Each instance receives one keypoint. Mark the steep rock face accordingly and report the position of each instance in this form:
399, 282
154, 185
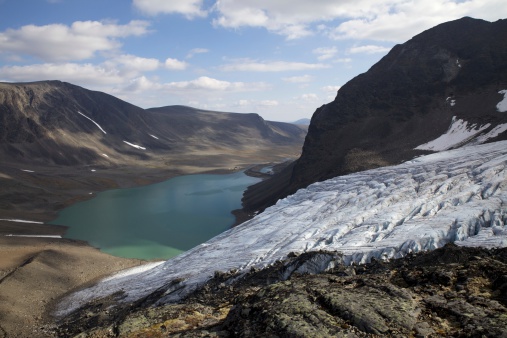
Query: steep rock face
452, 72
57, 123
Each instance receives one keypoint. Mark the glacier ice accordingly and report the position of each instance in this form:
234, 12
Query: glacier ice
455, 196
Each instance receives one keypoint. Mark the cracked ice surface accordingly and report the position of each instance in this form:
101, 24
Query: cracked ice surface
453, 196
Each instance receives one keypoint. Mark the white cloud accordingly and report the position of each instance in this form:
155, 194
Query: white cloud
325, 53
269, 103
298, 79
57, 42
359, 19
289, 18
196, 51
189, 8
368, 49
174, 64
207, 83
331, 89
254, 103
342, 60
140, 84
83, 74
273, 66
309, 97
401, 20
133, 63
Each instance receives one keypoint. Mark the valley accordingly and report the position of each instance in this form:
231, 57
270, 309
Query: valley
387, 217
63, 144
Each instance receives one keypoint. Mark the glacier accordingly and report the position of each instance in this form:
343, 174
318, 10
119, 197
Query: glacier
455, 196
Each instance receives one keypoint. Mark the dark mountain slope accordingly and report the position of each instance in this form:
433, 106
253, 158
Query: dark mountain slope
53, 122
407, 99
210, 128
41, 123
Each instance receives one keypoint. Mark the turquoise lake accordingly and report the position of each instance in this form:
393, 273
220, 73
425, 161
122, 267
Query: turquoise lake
159, 220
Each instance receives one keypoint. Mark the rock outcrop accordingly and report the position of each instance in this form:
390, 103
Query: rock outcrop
452, 291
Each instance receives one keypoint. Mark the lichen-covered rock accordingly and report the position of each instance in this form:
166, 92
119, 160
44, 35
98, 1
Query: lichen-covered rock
449, 292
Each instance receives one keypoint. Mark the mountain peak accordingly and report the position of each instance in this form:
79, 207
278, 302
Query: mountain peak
455, 70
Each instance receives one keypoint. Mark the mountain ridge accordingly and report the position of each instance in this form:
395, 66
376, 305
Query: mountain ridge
60, 123
455, 70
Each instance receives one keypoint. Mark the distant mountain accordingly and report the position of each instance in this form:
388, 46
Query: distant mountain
444, 88
304, 122
53, 122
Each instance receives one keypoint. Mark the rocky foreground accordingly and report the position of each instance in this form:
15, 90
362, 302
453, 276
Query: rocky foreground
452, 291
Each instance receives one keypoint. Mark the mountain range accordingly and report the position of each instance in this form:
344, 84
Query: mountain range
449, 77
53, 122
60, 143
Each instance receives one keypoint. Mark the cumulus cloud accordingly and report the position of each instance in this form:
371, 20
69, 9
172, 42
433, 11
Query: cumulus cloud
415, 16
325, 53
269, 103
358, 19
140, 84
132, 63
58, 42
309, 97
174, 64
195, 51
368, 49
83, 74
207, 83
342, 60
273, 66
189, 8
331, 89
254, 103
298, 79
289, 18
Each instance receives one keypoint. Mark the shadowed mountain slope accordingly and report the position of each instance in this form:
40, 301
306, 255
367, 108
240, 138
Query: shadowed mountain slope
448, 80
53, 122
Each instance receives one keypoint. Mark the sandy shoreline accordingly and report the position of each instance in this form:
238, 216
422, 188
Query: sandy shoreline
37, 271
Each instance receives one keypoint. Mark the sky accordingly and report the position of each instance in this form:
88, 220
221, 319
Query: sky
281, 59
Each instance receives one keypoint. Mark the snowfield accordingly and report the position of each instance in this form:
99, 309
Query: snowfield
461, 134
135, 145
502, 105
453, 196
101, 129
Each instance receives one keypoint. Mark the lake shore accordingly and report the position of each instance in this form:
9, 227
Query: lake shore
37, 271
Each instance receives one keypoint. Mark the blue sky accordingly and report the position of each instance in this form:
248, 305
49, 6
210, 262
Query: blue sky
281, 59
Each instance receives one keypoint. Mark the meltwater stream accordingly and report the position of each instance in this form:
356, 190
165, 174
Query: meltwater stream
159, 220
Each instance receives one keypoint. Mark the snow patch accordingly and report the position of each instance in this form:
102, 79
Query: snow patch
502, 105
105, 155
458, 133
132, 271
153, 136
93, 170
27, 171
452, 196
135, 145
491, 134
451, 101
93, 122
20, 221
35, 236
